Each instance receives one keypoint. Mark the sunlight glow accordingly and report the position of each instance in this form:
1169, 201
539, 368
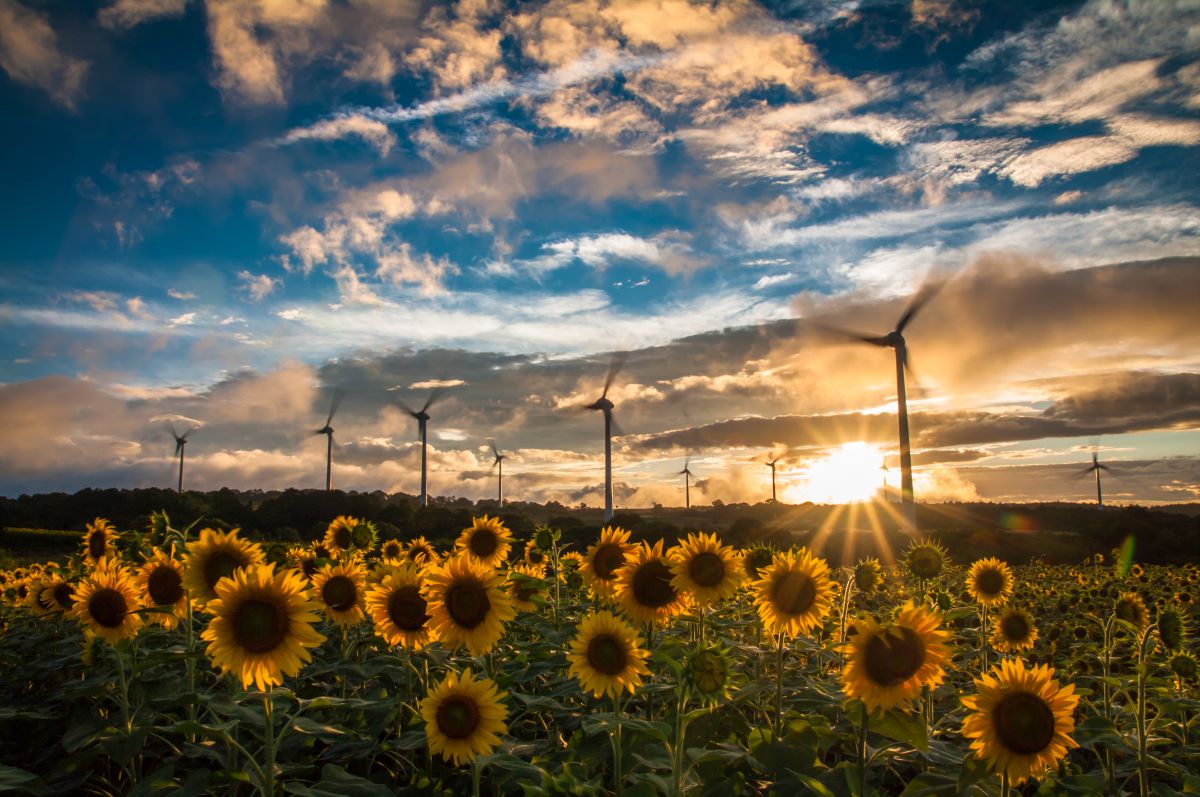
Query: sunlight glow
849, 474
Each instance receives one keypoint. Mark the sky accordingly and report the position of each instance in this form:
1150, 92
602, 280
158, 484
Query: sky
215, 213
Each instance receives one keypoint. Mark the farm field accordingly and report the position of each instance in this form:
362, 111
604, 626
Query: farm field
172, 661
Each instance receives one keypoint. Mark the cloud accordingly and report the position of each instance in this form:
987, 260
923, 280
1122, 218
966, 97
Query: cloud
30, 54
182, 296
130, 13
372, 131
257, 286
668, 251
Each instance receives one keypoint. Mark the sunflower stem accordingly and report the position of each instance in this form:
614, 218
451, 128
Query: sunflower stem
268, 768
475, 776
1106, 664
616, 745
1005, 786
1143, 773
983, 629
124, 684
677, 750
779, 690
557, 581
862, 752
190, 661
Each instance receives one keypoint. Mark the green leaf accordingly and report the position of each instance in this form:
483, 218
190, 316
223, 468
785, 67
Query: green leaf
337, 782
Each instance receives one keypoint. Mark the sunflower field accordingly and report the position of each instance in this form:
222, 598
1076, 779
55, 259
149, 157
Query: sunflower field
196, 661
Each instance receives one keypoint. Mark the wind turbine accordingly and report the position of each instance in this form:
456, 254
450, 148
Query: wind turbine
422, 416
770, 463
1097, 467
180, 442
686, 473
327, 430
604, 405
884, 469
895, 340
498, 465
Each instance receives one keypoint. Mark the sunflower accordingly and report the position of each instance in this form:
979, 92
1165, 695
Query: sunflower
1172, 628
708, 674
1185, 667
321, 551
888, 665
1132, 609
868, 574
33, 596
1014, 631
925, 559
644, 590
524, 584
606, 655
391, 551
214, 556
603, 560
160, 580
487, 541
339, 590
467, 603
794, 593
755, 559
304, 560
399, 609
57, 597
464, 717
106, 602
421, 552
1021, 719
339, 535
705, 569
534, 555
990, 582
98, 541
262, 626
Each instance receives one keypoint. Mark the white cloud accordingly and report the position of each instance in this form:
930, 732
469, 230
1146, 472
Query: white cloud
372, 131
771, 280
29, 53
187, 319
668, 251
1032, 167
182, 296
258, 286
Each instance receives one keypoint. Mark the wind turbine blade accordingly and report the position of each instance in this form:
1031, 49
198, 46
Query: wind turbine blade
178, 447
495, 453
406, 408
848, 334
334, 403
920, 300
174, 431
434, 397
614, 368
914, 381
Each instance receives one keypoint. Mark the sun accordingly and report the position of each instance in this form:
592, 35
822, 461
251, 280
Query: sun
849, 474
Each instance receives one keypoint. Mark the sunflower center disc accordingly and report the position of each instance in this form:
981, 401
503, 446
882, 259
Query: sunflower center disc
339, 593
535, 557
259, 626
652, 585
607, 560
708, 672
165, 586
219, 565
467, 604
925, 564
406, 608
62, 594
391, 550
309, 567
108, 607
458, 717
892, 659
96, 544
484, 543
989, 582
321, 552
342, 538
794, 593
707, 569
1014, 628
755, 561
606, 654
1024, 723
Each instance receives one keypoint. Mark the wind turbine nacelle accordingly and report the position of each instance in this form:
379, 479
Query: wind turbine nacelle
601, 404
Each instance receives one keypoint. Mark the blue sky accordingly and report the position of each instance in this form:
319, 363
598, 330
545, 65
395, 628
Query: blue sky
215, 212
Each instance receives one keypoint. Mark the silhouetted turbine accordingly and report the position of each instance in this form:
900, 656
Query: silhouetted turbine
895, 340
606, 406
180, 442
1096, 467
687, 486
770, 463
327, 430
422, 416
498, 465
